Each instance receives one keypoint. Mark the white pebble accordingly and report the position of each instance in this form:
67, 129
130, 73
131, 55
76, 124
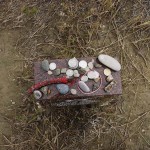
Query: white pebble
73, 91
83, 64
84, 78
69, 73
52, 66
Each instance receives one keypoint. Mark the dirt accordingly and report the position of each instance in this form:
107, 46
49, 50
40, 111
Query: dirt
8, 87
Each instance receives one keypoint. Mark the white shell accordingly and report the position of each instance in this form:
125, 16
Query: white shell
69, 73
83, 87
52, 66
109, 62
83, 64
84, 78
73, 63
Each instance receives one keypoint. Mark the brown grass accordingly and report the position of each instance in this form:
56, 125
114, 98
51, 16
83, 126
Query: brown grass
81, 28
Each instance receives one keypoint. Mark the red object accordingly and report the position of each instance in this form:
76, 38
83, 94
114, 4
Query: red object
48, 82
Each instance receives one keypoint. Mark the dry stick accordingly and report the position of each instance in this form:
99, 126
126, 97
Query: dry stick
137, 69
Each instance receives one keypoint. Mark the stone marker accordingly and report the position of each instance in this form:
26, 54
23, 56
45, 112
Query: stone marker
109, 62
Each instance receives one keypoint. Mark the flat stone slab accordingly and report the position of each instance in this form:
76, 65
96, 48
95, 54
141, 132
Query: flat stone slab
40, 75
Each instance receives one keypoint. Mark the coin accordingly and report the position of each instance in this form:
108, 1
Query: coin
107, 72
83, 64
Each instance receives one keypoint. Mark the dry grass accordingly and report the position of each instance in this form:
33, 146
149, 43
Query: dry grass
81, 28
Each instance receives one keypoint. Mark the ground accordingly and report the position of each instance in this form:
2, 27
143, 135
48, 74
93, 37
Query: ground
31, 31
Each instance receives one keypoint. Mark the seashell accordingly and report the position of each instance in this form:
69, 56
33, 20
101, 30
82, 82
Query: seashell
83, 64
45, 65
83, 87
73, 91
84, 78
107, 72
73, 63
37, 94
52, 66
109, 78
69, 73
110, 62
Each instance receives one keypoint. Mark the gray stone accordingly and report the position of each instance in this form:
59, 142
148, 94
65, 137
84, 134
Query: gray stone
37, 94
45, 65
62, 88
57, 72
83, 87
44, 90
63, 70
109, 62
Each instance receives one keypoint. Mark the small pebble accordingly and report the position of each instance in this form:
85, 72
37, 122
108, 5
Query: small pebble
84, 78
90, 65
73, 63
52, 66
81, 71
44, 90
57, 72
107, 72
76, 73
96, 80
45, 65
73, 91
63, 70
110, 78
50, 72
87, 69
37, 94
69, 73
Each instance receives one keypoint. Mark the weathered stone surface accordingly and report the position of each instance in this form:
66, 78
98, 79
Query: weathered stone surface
109, 62
62, 88
83, 87
45, 65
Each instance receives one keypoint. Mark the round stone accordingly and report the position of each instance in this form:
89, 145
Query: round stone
45, 65
90, 65
110, 78
73, 63
62, 88
69, 73
83, 64
107, 72
37, 94
76, 73
110, 62
52, 66
96, 74
84, 78
73, 91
